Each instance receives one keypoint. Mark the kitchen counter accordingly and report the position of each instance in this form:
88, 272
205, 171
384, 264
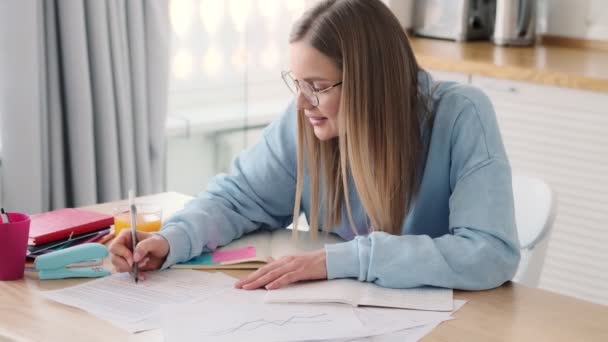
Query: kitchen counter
585, 69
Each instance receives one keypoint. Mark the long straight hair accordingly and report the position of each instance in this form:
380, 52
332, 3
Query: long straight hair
379, 144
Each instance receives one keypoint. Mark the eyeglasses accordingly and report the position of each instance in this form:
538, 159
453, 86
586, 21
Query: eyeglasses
307, 89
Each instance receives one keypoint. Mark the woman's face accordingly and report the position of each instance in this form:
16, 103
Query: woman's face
308, 64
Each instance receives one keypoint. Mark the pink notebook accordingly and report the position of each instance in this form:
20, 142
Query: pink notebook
59, 224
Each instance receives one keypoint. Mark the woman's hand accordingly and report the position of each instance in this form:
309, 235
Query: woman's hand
150, 252
287, 270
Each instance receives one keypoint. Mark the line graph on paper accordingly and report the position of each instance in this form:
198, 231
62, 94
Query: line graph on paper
227, 319
264, 323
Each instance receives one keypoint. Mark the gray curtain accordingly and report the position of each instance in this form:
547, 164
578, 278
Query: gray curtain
83, 98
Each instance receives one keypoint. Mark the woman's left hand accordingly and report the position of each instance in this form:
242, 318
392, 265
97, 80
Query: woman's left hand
287, 270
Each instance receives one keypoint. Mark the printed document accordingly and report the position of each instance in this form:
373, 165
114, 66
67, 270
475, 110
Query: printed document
119, 300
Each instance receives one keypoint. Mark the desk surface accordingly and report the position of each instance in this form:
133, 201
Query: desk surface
509, 313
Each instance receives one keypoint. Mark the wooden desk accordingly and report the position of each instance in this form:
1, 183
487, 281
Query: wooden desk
509, 313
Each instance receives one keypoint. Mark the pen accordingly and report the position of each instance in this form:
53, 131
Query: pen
133, 211
5, 217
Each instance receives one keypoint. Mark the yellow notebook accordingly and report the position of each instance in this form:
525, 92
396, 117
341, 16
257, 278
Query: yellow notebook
252, 251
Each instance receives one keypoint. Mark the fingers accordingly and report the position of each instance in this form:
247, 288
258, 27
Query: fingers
143, 263
287, 270
121, 254
122, 258
123, 238
260, 272
153, 264
154, 245
120, 264
142, 235
269, 277
141, 276
149, 253
286, 279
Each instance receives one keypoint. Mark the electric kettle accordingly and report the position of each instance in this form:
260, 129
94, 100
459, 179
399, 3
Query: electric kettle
515, 22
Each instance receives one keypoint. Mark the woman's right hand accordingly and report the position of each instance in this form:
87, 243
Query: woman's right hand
150, 252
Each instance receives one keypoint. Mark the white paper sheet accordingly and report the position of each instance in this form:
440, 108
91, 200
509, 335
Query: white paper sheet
431, 320
360, 293
214, 321
407, 335
190, 322
135, 307
371, 314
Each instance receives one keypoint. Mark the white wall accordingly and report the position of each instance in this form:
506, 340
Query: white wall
192, 161
584, 19
403, 10
189, 163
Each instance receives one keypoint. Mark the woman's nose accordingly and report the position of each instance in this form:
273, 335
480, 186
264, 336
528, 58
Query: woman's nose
302, 102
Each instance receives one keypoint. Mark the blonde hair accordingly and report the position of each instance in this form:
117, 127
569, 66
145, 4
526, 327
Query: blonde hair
379, 142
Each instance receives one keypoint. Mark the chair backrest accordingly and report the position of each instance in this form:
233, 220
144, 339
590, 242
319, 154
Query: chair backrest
535, 209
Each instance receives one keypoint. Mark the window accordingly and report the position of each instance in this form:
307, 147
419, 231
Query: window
227, 57
225, 81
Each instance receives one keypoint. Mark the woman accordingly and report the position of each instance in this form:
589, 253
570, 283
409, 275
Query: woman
411, 172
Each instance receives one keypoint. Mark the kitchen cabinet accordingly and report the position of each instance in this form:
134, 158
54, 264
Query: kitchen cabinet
561, 136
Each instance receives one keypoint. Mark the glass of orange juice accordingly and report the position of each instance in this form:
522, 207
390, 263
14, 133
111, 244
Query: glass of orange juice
149, 218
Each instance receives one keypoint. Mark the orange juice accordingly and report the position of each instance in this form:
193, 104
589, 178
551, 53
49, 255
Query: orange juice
147, 220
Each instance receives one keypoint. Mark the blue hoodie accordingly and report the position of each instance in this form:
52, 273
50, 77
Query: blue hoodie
459, 233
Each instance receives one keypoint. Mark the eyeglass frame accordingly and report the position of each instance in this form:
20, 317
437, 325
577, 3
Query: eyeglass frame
285, 74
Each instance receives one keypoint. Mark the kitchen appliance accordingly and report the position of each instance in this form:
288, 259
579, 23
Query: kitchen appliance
515, 22
457, 20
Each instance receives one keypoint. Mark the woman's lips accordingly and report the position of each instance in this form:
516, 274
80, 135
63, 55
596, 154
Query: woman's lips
317, 120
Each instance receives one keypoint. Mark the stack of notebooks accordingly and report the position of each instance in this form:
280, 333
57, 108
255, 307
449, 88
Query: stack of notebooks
59, 229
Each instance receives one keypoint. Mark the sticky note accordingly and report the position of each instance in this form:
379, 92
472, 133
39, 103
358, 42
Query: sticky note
234, 254
203, 259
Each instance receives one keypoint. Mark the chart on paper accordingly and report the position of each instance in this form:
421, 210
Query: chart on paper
252, 323
262, 323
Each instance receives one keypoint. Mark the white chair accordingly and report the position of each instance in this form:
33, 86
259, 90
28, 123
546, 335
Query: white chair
535, 210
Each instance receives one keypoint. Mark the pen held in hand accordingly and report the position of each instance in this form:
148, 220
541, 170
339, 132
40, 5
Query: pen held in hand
133, 211
134, 238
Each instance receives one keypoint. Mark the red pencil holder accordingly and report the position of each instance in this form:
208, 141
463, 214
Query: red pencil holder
13, 246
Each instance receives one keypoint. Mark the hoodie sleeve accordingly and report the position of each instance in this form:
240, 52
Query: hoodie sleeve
258, 193
481, 250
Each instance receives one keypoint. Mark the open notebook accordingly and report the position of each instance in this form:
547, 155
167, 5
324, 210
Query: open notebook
251, 251
357, 293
